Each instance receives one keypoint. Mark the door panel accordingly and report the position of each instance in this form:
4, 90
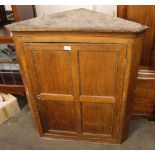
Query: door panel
60, 115
98, 72
54, 71
51, 76
101, 70
97, 118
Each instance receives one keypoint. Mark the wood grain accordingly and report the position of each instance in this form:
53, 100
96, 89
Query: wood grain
97, 99
97, 118
145, 79
85, 92
57, 97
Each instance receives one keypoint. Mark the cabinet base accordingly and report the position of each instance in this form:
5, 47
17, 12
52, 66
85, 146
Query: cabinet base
81, 138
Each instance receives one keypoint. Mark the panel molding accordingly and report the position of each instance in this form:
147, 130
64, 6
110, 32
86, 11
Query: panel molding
97, 99
56, 97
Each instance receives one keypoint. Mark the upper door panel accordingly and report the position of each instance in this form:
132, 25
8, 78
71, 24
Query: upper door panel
52, 68
98, 72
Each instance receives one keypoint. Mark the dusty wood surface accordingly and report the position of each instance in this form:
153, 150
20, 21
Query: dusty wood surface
78, 20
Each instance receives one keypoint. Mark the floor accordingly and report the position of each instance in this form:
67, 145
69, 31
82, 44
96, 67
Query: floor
19, 133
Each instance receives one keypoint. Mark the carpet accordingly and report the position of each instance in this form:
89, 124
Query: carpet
19, 133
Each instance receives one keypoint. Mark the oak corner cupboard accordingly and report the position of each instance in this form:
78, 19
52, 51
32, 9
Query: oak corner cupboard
79, 68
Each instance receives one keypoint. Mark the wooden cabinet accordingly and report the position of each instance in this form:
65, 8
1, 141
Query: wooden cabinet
78, 77
144, 98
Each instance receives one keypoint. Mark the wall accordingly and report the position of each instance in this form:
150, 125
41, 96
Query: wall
8, 7
50, 9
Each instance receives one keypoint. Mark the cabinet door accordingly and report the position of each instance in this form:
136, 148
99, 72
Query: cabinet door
78, 87
101, 74
50, 71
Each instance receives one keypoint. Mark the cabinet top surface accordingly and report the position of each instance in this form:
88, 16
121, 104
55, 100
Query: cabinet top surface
78, 20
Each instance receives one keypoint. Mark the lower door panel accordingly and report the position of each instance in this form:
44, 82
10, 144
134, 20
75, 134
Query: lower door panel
97, 118
60, 115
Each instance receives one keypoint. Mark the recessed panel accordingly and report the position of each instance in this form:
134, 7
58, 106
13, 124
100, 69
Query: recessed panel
97, 71
53, 71
97, 118
59, 115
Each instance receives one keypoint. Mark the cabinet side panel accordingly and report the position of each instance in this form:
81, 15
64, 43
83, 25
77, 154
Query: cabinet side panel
27, 83
134, 59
